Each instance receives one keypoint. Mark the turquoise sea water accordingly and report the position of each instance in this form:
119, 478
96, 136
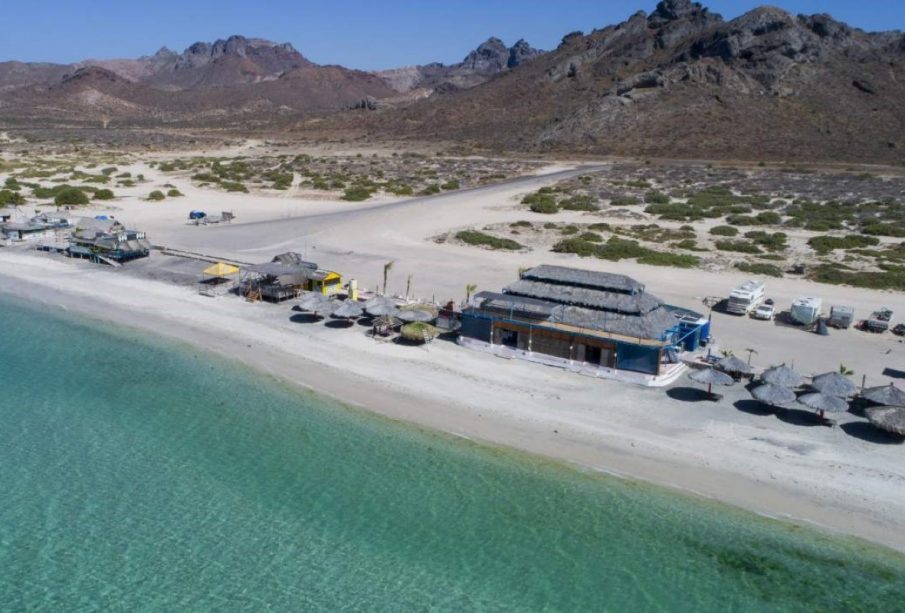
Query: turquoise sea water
140, 475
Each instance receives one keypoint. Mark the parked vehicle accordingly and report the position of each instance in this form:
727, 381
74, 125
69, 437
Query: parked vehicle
764, 311
806, 310
879, 321
899, 330
746, 297
841, 317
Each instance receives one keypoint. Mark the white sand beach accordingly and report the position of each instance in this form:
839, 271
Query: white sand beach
761, 462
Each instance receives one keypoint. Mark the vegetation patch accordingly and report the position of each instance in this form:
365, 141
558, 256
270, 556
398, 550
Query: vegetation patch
480, 239
758, 268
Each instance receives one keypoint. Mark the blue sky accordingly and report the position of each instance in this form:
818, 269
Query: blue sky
366, 34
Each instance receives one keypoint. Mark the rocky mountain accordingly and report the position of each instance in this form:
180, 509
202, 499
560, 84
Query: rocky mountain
682, 82
234, 80
234, 61
490, 58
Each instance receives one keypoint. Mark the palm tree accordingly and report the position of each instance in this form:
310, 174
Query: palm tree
386, 271
469, 290
750, 353
408, 286
845, 370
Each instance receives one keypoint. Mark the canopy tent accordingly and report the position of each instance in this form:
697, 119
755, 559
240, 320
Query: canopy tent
220, 269
834, 384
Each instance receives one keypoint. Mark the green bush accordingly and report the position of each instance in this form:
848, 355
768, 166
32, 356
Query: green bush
767, 270
826, 244
569, 229
430, 190
70, 196
831, 273
579, 203
11, 197
546, 207
577, 246
473, 237
676, 260
737, 246
450, 185
174, 193
884, 229
103, 194
625, 201
655, 197
156, 196
724, 231
356, 193
541, 202
234, 186
591, 237
771, 242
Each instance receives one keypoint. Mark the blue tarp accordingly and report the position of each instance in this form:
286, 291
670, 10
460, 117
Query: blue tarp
197, 215
101, 217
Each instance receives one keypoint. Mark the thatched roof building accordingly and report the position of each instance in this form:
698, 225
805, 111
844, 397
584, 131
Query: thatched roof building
595, 317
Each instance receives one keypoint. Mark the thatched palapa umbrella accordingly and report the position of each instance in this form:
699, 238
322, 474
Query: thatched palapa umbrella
834, 384
823, 403
711, 377
886, 395
317, 303
734, 365
380, 306
349, 310
388, 321
413, 315
891, 419
420, 332
774, 395
311, 299
782, 376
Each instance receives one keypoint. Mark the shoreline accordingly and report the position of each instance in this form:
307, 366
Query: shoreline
593, 445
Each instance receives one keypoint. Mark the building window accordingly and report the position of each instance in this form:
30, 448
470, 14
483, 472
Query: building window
509, 338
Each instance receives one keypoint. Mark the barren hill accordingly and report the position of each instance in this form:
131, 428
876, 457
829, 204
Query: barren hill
682, 82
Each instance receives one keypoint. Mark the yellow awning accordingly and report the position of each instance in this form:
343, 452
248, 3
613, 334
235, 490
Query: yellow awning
221, 269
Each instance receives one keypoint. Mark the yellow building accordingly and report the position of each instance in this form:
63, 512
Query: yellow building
326, 282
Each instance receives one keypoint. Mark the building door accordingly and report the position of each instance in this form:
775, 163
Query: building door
509, 338
592, 355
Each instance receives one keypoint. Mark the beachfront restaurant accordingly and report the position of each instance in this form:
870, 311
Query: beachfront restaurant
107, 240
596, 323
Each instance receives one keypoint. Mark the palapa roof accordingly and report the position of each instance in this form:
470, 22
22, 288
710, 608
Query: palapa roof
598, 301
89, 227
823, 402
583, 278
731, 363
834, 384
294, 259
632, 304
710, 376
888, 395
891, 419
782, 375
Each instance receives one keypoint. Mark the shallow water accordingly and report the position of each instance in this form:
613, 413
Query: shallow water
140, 474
